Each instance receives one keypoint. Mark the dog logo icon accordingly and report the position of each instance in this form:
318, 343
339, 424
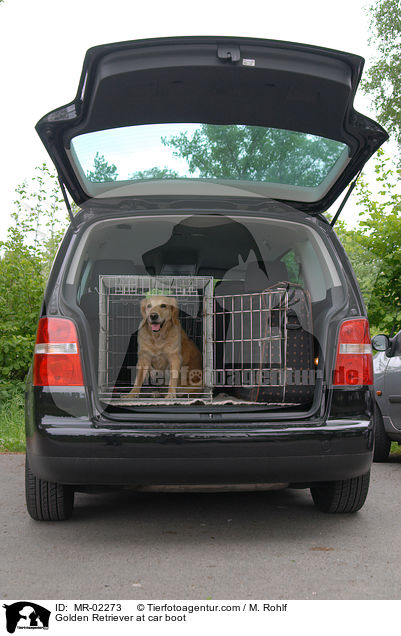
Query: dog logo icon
26, 615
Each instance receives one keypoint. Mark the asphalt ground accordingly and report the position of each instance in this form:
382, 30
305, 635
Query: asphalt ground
272, 545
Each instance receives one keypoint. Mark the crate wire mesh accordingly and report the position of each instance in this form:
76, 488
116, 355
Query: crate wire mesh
119, 320
250, 339
242, 337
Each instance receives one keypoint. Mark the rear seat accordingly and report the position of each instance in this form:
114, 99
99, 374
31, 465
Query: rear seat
257, 277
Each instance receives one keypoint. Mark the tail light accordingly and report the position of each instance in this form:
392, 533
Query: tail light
57, 361
354, 362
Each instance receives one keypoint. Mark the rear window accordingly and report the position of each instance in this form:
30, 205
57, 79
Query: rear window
293, 267
219, 153
253, 252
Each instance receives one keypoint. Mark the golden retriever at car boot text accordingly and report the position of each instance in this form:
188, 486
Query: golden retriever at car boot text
163, 346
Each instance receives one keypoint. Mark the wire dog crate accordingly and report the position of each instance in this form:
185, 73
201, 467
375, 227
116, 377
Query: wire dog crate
242, 337
119, 321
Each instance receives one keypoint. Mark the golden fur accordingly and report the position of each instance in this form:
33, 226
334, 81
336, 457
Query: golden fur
163, 345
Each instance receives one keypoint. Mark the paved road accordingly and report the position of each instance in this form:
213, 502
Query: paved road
271, 545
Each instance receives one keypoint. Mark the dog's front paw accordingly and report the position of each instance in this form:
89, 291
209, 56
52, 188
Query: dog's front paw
170, 395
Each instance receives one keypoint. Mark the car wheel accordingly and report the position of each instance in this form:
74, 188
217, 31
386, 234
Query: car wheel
382, 441
45, 500
346, 495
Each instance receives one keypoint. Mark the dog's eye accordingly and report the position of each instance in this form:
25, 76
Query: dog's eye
163, 305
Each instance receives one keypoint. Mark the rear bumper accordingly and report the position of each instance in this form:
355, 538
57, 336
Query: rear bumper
84, 454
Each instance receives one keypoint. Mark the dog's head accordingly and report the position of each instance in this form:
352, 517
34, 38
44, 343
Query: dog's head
159, 311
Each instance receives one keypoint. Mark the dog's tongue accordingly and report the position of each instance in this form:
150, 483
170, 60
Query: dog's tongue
155, 327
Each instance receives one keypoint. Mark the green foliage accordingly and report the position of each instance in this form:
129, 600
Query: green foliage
381, 240
155, 173
294, 273
12, 429
25, 260
366, 271
383, 77
255, 153
102, 170
395, 449
374, 246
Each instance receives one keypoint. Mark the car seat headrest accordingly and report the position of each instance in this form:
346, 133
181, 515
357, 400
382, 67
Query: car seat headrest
259, 276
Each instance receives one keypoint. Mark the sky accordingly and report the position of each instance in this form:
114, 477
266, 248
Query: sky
43, 43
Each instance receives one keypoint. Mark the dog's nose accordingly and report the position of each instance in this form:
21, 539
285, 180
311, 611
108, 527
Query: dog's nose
154, 316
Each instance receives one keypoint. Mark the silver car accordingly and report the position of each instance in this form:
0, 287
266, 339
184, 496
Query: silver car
387, 378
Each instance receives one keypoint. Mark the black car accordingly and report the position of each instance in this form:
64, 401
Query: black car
202, 167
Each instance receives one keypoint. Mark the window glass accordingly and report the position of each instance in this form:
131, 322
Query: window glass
206, 151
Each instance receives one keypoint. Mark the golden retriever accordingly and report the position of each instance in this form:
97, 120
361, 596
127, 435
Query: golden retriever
163, 346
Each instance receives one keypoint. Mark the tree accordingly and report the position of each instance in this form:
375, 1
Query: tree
25, 259
374, 246
383, 77
255, 153
102, 170
366, 269
154, 173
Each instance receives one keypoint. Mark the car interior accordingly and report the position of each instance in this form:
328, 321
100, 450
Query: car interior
243, 256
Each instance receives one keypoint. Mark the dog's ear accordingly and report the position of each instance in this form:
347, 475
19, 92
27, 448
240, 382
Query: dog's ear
143, 306
174, 311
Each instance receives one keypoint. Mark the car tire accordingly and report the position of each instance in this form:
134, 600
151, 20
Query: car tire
45, 500
382, 441
341, 496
